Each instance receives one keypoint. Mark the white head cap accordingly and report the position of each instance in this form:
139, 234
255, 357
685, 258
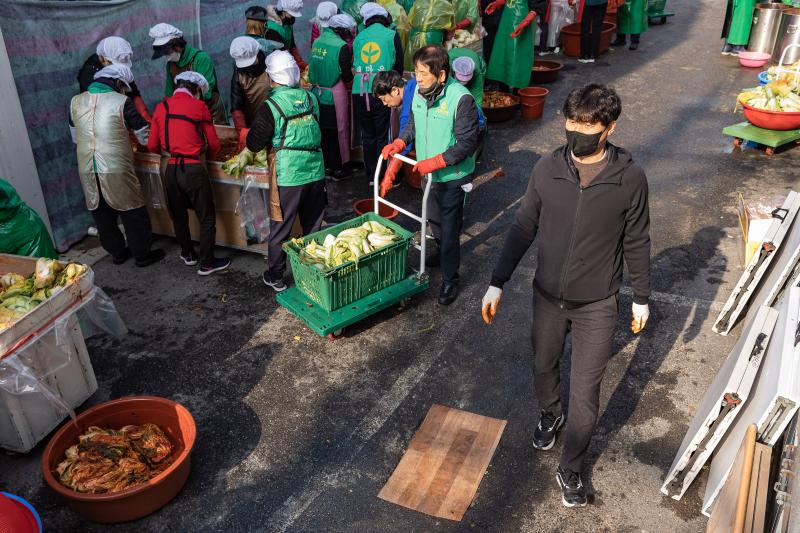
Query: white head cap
162, 33
283, 69
463, 68
342, 20
193, 77
293, 7
116, 72
245, 51
325, 10
117, 50
371, 9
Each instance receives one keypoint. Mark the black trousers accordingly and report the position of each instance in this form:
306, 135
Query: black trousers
308, 201
137, 229
592, 326
374, 128
446, 215
591, 26
189, 187
621, 38
330, 137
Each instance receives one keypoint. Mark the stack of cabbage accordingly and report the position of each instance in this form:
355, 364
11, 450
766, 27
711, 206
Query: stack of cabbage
790, 73
781, 95
19, 294
348, 245
235, 165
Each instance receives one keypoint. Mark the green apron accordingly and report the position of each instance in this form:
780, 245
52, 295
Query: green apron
434, 130
632, 17
475, 85
741, 20
418, 39
323, 67
512, 59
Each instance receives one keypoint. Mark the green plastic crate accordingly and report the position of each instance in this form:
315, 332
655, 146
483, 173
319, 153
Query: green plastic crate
334, 288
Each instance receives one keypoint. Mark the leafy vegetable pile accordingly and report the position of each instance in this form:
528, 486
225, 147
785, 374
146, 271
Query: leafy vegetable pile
349, 245
19, 294
105, 460
787, 72
463, 38
780, 95
235, 165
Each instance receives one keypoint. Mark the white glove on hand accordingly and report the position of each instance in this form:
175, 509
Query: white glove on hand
490, 302
640, 315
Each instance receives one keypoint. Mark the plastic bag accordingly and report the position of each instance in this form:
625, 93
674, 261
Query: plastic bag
22, 232
399, 18
432, 15
153, 188
253, 209
100, 316
561, 14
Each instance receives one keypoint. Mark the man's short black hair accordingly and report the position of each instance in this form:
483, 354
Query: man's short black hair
434, 57
593, 103
385, 81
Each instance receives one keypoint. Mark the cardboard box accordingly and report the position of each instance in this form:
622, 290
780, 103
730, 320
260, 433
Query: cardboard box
754, 221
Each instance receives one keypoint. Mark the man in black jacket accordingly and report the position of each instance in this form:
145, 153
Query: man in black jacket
588, 203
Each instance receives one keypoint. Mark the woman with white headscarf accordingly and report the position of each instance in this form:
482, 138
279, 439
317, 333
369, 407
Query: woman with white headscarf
325, 10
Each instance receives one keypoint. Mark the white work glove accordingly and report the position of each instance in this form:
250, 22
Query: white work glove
640, 315
490, 302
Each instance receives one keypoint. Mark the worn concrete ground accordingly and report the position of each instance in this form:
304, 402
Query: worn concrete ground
297, 433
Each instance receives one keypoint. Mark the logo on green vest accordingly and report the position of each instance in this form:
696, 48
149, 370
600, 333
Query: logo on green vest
370, 53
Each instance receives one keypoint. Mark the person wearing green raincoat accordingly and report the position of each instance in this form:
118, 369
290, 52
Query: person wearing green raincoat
512, 53
22, 231
475, 84
632, 20
738, 22
429, 20
466, 14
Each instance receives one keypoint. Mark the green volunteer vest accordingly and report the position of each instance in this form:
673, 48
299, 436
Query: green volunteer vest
285, 32
323, 67
475, 86
298, 159
435, 130
373, 52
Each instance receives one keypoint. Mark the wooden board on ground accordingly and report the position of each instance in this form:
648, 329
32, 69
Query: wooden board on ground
445, 462
755, 518
733, 497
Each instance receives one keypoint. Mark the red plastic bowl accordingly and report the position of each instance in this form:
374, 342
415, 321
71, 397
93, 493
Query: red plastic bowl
367, 205
139, 501
772, 120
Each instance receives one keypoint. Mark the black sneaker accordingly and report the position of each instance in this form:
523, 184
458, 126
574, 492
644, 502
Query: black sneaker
275, 284
341, 175
573, 493
219, 263
123, 256
189, 259
448, 293
544, 436
153, 256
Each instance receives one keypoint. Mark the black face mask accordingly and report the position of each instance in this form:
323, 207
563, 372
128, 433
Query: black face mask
431, 93
583, 144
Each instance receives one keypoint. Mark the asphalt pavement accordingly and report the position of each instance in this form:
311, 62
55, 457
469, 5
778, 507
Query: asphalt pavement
299, 433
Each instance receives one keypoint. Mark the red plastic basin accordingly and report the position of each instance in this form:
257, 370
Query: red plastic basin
367, 205
141, 500
772, 120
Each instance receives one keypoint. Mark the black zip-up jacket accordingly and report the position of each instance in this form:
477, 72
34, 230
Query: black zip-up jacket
86, 75
584, 233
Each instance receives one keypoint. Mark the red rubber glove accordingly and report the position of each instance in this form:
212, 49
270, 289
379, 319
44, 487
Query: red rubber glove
141, 107
390, 150
494, 6
432, 164
243, 138
239, 121
464, 24
524, 24
388, 178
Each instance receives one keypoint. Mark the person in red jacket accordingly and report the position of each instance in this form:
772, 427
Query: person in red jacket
182, 129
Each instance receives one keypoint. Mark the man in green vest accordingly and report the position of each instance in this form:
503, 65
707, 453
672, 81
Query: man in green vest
287, 124
280, 27
477, 72
632, 20
377, 48
168, 42
329, 70
512, 53
444, 127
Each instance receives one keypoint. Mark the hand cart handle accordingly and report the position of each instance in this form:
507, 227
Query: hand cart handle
781, 67
422, 219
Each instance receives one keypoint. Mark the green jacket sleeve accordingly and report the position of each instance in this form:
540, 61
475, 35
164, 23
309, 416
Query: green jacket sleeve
203, 65
169, 87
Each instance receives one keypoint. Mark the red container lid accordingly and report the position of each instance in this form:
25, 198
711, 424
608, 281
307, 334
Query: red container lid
17, 516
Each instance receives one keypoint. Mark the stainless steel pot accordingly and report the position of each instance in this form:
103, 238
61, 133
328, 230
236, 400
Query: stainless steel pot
766, 24
789, 34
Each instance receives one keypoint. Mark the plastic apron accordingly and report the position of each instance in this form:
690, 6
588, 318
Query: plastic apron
741, 22
561, 14
512, 59
632, 17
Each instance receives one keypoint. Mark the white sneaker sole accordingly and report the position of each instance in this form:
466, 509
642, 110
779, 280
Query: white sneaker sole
209, 272
189, 263
273, 287
564, 500
552, 442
